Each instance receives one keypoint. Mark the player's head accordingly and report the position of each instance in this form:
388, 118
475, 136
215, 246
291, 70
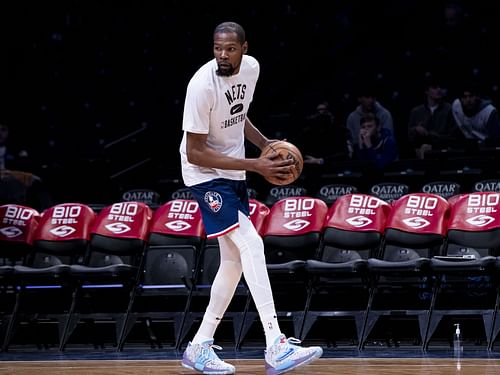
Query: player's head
229, 47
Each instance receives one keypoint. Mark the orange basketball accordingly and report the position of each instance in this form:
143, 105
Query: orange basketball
286, 150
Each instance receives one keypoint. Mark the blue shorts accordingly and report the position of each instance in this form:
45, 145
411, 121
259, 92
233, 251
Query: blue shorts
220, 200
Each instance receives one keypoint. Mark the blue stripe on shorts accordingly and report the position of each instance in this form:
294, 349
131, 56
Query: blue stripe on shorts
220, 200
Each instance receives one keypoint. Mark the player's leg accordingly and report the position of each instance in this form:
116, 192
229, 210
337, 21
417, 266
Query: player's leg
199, 354
282, 354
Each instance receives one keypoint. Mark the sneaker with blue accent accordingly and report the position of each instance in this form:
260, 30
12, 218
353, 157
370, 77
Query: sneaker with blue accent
285, 355
202, 358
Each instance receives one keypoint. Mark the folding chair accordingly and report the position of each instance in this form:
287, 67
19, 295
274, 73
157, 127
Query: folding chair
466, 283
17, 228
44, 291
107, 279
338, 285
400, 277
170, 270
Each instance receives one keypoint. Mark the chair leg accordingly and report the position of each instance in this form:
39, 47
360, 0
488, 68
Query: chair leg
12, 322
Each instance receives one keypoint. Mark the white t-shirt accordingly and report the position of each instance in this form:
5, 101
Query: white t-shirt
218, 106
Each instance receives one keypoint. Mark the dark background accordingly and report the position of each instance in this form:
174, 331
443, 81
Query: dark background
79, 75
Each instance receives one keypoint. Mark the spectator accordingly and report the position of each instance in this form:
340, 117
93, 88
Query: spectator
476, 117
368, 104
431, 124
375, 144
322, 139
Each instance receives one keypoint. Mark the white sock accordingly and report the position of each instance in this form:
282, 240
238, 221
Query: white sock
227, 278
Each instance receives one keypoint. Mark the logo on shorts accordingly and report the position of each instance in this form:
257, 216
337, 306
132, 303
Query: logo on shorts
214, 200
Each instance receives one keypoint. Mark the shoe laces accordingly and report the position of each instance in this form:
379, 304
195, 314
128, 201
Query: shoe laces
207, 352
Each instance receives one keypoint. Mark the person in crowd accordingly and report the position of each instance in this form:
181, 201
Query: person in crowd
375, 144
368, 103
476, 117
431, 124
322, 139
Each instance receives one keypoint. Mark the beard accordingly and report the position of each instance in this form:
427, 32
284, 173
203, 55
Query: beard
225, 71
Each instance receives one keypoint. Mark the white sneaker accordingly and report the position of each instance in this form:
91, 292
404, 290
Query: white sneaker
202, 358
284, 355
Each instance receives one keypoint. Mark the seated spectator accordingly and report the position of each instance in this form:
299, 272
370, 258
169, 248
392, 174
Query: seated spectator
323, 140
375, 144
476, 117
431, 124
368, 104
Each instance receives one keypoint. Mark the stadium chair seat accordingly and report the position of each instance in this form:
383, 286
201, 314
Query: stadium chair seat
400, 275
465, 281
18, 224
44, 290
107, 279
171, 265
291, 235
338, 286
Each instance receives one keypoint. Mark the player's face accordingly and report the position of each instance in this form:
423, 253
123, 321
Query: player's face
228, 52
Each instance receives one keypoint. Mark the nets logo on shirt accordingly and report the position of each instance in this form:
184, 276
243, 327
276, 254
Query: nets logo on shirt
214, 200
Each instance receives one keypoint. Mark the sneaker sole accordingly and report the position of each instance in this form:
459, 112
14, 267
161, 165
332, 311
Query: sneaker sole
303, 363
207, 372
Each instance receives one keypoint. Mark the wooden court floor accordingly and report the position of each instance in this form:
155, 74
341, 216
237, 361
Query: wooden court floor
336, 366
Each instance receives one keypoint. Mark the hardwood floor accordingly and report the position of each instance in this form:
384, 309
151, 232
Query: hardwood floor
344, 366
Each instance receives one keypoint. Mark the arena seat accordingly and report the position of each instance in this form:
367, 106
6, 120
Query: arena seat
292, 235
44, 290
465, 277
170, 272
107, 279
400, 274
18, 224
338, 282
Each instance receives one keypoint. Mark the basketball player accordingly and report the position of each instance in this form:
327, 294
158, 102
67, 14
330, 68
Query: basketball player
215, 125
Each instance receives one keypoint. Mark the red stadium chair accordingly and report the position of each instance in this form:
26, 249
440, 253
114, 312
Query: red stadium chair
465, 273
171, 264
292, 234
17, 228
110, 272
61, 239
400, 275
353, 231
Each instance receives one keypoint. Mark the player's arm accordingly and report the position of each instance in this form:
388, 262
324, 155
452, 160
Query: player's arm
199, 153
254, 135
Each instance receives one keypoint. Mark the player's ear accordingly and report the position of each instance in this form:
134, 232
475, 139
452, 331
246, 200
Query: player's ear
245, 47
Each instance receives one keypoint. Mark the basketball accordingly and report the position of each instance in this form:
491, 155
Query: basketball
285, 150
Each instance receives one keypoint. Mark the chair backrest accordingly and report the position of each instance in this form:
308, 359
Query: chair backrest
17, 229
258, 214
177, 221
64, 231
176, 237
475, 221
356, 221
120, 229
417, 220
293, 228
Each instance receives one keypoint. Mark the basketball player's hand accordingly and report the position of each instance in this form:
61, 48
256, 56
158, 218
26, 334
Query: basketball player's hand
273, 166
